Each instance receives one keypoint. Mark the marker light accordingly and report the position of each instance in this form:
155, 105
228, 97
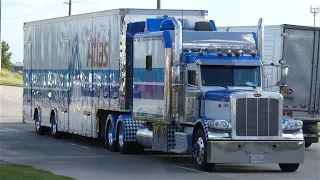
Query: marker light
254, 53
238, 53
201, 53
220, 53
230, 53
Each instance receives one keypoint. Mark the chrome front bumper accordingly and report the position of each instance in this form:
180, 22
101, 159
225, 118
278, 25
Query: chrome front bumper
255, 152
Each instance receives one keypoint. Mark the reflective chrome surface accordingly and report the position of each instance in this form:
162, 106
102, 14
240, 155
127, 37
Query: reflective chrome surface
199, 155
218, 136
192, 104
79, 64
168, 98
240, 151
144, 137
293, 135
177, 39
254, 118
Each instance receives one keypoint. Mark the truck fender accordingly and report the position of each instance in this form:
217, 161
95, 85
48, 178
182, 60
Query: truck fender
201, 124
56, 114
112, 118
130, 127
37, 108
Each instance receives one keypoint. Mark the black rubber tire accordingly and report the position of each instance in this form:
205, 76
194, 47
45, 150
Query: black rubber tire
113, 147
307, 144
57, 134
204, 166
289, 167
42, 129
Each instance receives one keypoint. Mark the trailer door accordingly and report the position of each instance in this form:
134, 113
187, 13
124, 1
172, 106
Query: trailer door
301, 52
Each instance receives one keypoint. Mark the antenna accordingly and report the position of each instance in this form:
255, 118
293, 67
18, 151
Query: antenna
315, 12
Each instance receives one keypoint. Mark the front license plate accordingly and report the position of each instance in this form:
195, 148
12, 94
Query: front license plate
257, 159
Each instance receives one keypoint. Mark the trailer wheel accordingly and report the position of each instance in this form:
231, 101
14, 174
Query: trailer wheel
40, 130
289, 167
54, 127
200, 152
109, 144
307, 144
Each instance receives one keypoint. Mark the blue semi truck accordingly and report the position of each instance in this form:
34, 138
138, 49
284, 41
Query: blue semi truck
166, 80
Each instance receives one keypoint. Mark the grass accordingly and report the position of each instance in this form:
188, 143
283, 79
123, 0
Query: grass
21, 172
10, 78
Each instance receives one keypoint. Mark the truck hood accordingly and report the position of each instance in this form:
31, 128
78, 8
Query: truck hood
221, 95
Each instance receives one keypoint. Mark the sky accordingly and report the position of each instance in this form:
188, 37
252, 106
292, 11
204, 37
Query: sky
224, 13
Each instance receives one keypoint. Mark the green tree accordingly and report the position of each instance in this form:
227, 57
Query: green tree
6, 56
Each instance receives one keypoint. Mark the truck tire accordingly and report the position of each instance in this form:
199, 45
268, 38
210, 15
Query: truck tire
200, 152
289, 167
109, 144
307, 144
40, 130
124, 147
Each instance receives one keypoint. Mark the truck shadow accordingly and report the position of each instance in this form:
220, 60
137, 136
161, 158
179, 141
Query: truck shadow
183, 161
171, 159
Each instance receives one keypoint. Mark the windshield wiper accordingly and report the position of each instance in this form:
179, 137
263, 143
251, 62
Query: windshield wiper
253, 86
225, 87
250, 84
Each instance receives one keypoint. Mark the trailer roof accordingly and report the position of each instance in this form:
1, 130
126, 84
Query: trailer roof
287, 26
122, 11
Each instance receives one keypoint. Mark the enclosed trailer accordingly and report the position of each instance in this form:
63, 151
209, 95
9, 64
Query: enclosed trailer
82, 63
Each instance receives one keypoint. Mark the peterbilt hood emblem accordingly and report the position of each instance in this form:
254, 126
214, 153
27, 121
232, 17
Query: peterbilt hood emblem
257, 95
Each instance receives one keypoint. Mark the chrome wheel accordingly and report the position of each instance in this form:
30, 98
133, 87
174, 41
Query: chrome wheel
54, 129
200, 150
38, 125
120, 136
110, 134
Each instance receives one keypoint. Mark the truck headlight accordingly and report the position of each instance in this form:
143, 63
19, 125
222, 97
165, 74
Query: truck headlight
291, 124
219, 124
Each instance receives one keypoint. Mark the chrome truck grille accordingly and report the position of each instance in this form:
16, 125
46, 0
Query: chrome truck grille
257, 116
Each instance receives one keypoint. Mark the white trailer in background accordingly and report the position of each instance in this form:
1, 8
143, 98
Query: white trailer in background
298, 47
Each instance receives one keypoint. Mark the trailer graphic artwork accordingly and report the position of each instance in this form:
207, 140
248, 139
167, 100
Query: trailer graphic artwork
143, 87
97, 52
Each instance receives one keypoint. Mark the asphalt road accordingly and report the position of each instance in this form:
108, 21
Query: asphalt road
85, 159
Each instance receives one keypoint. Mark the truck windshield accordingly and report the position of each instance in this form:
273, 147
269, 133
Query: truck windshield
217, 75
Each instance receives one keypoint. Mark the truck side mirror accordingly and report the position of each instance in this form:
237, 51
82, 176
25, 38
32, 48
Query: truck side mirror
284, 74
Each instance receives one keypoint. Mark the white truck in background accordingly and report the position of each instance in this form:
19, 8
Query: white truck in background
298, 47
